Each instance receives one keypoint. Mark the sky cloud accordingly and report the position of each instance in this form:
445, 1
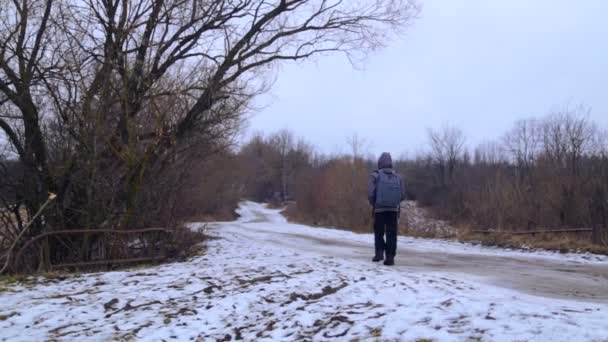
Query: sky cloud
479, 65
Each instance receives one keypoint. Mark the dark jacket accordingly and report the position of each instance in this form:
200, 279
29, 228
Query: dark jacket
385, 164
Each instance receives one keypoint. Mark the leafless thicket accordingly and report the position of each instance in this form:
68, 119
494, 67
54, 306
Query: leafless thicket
111, 104
549, 173
273, 166
447, 146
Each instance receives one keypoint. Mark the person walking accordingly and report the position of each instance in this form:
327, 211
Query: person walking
385, 192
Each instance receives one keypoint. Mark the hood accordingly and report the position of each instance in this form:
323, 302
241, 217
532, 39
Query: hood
385, 161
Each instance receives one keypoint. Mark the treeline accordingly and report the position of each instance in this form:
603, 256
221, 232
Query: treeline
546, 173
543, 174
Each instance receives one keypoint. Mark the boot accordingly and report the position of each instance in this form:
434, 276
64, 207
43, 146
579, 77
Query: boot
390, 260
378, 257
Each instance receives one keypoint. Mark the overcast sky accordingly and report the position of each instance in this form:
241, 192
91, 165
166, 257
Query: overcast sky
476, 64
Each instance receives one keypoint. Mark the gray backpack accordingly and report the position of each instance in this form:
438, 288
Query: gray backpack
388, 190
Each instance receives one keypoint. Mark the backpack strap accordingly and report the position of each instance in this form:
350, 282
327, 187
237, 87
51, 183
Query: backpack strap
377, 178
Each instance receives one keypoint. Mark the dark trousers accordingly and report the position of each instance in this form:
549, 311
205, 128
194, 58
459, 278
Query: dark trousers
385, 223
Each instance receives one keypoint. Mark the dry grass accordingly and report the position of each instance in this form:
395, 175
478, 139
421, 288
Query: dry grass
279, 205
219, 217
5, 317
563, 242
3, 227
413, 222
292, 214
295, 216
7, 282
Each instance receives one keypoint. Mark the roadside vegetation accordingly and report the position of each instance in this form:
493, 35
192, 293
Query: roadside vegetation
543, 184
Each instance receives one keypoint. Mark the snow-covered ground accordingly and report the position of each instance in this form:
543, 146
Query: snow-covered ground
266, 279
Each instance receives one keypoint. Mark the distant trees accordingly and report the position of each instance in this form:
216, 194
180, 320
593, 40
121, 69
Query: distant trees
523, 142
272, 166
326, 190
260, 177
488, 153
544, 173
447, 147
283, 141
358, 146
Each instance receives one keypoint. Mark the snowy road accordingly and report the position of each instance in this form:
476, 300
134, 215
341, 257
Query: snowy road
265, 279
547, 274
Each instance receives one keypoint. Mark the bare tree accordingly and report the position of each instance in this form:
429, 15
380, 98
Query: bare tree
358, 145
580, 136
99, 99
523, 142
283, 141
489, 152
447, 146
